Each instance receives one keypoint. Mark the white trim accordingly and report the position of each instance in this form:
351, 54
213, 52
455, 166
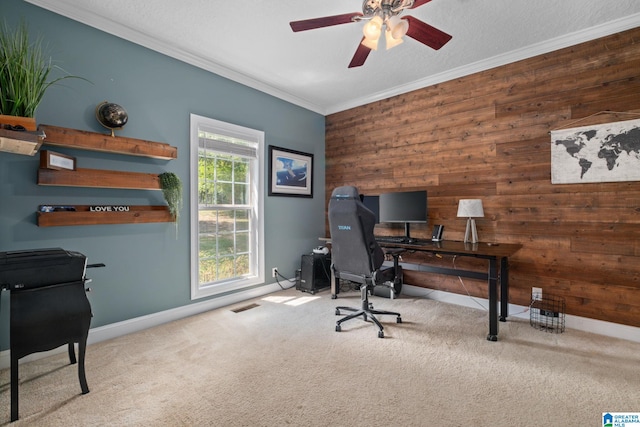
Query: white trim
257, 188
90, 18
114, 330
600, 327
572, 39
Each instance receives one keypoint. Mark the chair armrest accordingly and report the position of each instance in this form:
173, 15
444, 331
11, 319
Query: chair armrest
394, 252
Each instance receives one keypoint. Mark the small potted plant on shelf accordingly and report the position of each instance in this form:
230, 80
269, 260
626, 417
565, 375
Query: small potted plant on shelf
25, 76
172, 190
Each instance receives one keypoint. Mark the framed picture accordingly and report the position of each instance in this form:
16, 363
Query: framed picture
53, 160
290, 173
606, 152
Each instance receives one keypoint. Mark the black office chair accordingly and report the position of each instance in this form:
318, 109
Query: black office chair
357, 257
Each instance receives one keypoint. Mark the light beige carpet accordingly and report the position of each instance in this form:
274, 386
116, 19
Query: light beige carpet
282, 363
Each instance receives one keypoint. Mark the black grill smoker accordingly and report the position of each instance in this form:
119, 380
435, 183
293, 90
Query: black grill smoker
48, 306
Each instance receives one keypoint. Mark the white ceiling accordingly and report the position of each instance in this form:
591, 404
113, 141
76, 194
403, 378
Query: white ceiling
251, 41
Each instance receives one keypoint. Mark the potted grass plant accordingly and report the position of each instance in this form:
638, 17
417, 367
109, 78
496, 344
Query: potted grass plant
26, 72
171, 186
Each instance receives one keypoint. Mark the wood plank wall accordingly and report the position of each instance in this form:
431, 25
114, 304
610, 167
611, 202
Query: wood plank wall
486, 136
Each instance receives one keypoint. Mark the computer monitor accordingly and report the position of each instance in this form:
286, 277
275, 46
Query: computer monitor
404, 207
373, 204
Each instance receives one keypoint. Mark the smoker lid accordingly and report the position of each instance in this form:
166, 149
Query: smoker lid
29, 255
40, 267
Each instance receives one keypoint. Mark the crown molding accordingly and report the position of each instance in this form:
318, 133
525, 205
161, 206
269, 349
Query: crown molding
102, 23
572, 39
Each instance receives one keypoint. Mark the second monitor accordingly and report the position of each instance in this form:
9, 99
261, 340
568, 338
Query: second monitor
404, 207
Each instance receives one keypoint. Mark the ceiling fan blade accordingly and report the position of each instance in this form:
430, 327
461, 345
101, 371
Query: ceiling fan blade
418, 3
426, 34
360, 56
326, 21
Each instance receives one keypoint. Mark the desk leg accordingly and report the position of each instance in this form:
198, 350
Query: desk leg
504, 289
493, 300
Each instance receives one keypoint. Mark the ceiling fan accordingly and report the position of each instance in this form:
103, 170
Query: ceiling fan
381, 14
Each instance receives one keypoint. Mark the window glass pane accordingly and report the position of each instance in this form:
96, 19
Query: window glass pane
208, 247
234, 266
226, 268
242, 220
224, 193
241, 171
206, 184
242, 265
241, 194
224, 169
226, 222
226, 244
242, 242
207, 221
208, 270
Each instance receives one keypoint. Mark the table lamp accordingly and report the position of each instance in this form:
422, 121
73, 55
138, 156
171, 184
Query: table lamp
470, 209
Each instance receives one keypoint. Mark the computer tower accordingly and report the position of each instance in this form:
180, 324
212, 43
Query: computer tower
315, 273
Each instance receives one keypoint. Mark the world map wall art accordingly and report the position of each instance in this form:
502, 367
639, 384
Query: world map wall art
608, 152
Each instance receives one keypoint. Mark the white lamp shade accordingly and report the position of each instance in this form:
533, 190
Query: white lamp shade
370, 43
391, 41
398, 27
470, 208
373, 28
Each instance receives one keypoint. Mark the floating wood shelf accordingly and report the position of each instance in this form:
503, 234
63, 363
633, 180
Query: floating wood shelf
72, 138
99, 178
20, 142
84, 216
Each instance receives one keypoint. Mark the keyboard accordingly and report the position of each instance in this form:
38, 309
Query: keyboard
394, 239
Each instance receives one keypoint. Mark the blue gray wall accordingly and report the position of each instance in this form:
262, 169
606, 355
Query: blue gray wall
147, 266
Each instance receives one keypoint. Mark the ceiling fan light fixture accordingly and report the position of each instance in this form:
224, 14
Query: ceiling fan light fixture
381, 15
373, 28
370, 43
398, 27
392, 41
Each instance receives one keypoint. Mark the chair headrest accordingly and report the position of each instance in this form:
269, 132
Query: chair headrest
345, 192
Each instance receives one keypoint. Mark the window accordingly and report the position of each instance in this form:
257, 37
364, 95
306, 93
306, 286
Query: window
227, 249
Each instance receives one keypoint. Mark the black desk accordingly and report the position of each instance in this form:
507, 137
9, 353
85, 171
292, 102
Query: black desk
493, 252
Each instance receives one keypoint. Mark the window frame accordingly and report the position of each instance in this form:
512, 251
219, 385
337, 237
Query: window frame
257, 210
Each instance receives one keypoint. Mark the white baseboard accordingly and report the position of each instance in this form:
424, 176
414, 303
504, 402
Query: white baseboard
125, 327
600, 327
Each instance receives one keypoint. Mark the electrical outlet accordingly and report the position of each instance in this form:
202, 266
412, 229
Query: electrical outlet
274, 271
536, 294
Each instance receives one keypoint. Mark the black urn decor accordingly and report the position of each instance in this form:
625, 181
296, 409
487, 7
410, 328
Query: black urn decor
112, 116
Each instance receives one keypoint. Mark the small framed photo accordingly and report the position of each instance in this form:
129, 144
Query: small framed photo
53, 160
290, 173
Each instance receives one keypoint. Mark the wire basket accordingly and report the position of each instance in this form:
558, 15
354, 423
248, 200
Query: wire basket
547, 314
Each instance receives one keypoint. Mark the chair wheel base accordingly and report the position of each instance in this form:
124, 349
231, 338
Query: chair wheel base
338, 328
399, 320
380, 334
337, 312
